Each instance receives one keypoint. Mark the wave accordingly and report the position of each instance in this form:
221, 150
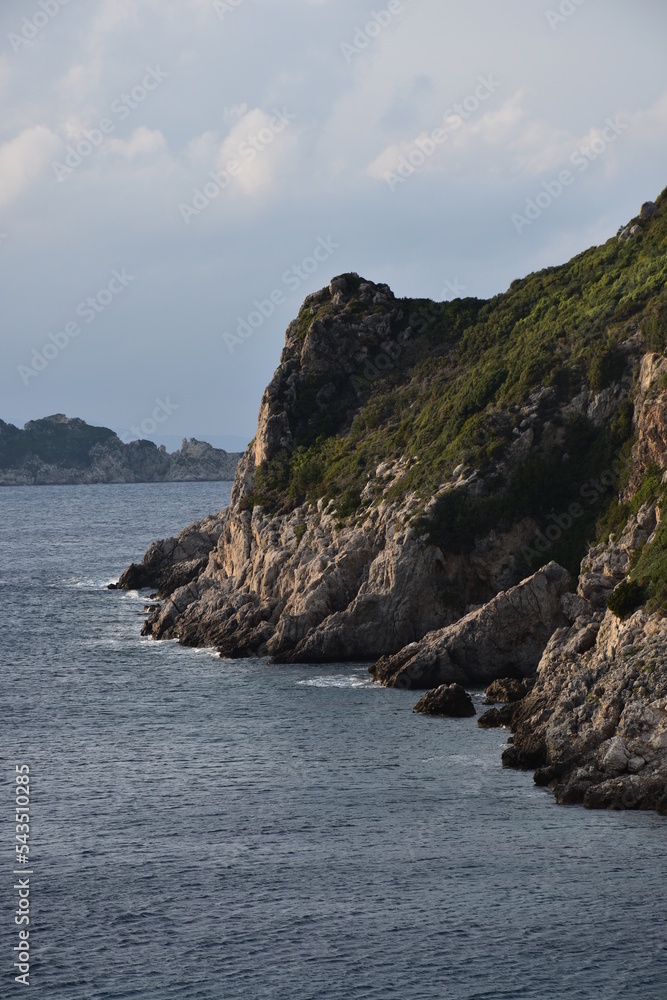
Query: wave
334, 681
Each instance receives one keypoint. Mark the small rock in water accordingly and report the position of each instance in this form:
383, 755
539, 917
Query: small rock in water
448, 699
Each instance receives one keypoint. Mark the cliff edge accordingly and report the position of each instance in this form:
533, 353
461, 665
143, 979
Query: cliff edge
424, 483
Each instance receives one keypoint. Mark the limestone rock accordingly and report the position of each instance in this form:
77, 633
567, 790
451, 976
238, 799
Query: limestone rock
607, 564
448, 699
507, 690
497, 718
173, 562
508, 633
597, 723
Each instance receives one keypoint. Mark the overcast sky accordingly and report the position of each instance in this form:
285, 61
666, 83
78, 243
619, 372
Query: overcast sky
400, 140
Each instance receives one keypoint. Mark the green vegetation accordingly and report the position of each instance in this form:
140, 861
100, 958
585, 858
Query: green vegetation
67, 445
647, 582
453, 394
650, 571
617, 515
626, 598
299, 531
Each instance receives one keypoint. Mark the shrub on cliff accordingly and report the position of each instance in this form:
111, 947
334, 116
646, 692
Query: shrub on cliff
626, 598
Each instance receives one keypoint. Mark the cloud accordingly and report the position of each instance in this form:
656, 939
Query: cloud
142, 142
23, 159
461, 137
264, 145
321, 175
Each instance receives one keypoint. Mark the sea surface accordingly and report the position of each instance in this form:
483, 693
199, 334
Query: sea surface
210, 830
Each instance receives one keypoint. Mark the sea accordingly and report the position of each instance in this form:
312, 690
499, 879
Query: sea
201, 829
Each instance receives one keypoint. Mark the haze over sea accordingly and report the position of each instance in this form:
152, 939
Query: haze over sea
208, 830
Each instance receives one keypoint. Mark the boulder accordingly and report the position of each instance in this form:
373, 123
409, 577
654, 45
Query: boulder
448, 699
648, 210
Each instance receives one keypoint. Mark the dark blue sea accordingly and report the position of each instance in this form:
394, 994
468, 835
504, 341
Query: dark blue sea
207, 830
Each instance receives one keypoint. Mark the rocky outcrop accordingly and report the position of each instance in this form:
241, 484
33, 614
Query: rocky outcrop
497, 718
301, 587
60, 451
419, 565
508, 690
449, 699
508, 633
173, 562
595, 724
650, 449
302, 584
607, 564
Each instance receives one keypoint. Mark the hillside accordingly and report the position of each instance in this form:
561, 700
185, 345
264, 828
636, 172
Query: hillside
424, 484
59, 451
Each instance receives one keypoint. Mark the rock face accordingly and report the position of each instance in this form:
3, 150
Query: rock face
607, 564
58, 451
651, 419
174, 562
448, 699
294, 572
508, 690
508, 633
304, 585
595, 724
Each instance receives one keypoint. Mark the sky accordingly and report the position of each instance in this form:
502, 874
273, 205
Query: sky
177, 175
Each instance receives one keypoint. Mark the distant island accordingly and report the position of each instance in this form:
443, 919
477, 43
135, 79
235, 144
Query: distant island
62, 451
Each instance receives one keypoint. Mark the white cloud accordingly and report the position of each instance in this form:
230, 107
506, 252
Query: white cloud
311, 179
142, 142
264, 146
23, 159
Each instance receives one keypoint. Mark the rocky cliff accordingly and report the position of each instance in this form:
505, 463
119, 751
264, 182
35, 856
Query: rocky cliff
424, 483
59, 451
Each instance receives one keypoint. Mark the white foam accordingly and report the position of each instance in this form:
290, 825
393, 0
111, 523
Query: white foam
337, 682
